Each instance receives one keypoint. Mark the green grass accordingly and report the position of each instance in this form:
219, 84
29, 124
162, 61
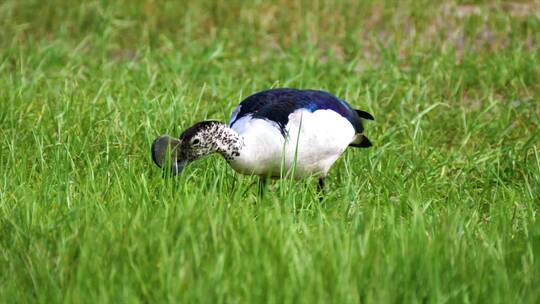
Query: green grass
444, 208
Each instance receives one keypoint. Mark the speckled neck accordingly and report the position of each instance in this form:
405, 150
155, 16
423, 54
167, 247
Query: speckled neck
227, 142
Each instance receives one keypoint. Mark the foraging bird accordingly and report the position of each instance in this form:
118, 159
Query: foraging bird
270, 132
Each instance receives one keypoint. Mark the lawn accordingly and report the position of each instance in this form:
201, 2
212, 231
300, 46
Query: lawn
443, 208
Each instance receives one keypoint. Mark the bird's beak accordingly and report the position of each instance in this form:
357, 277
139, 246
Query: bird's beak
176, 168
165, 152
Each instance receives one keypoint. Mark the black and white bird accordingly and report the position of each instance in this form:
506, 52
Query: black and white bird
272, 132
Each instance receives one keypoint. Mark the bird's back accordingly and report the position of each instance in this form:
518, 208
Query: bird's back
277, 104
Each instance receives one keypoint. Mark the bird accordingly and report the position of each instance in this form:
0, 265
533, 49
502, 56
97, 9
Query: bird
301, 132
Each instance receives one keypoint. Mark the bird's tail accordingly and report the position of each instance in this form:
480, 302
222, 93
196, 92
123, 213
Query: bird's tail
361, 141
364, 114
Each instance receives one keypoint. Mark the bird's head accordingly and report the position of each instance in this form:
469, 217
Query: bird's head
194, 143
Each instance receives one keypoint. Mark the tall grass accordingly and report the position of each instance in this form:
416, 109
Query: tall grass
443, 208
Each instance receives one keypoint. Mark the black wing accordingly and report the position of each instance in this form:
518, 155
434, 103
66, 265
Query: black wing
277, 104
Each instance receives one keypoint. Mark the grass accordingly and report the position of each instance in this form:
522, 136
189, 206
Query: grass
444, 208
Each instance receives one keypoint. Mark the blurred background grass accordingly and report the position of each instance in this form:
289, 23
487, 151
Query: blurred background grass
444, 208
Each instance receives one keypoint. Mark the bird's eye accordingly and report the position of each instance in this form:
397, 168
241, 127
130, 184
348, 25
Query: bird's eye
195, 141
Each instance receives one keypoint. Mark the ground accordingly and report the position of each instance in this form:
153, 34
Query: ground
443, 208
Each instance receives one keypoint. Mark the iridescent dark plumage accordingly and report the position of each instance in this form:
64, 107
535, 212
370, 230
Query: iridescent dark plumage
277, 104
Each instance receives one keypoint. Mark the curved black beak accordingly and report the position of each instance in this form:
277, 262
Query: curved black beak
165, 154
176, 168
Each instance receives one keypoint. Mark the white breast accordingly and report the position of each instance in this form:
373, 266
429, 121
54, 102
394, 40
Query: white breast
313, 143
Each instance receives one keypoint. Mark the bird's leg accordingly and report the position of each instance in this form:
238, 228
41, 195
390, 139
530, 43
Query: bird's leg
261, 186
320, 188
